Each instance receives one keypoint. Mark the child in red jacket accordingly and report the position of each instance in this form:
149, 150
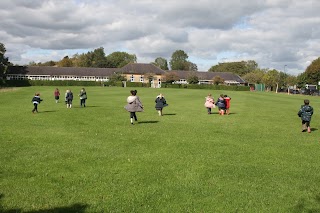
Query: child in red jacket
227, 100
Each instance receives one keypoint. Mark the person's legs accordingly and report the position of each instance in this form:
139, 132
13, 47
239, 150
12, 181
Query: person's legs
35, 107
209, 110
308, 126
227, 111
81, 102
135, 116
304, 126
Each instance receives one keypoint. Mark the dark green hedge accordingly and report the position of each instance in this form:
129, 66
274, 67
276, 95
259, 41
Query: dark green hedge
206, 86
25, 83
137, 84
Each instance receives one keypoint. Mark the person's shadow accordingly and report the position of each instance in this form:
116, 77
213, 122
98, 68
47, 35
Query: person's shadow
147, 122
75, 208
165, 114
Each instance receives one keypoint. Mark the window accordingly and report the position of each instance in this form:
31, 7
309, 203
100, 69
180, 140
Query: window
132, 78
141, 78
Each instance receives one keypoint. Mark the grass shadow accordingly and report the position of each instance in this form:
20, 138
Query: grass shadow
314, 129
147, 122
91, 106
304, 206
75, 208
165, 114
47, 111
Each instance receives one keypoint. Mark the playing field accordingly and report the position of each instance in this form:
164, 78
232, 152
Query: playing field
93, 160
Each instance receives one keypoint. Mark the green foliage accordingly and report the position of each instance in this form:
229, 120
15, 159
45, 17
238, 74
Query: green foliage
24, 83
120, 59
45, 64
313, 72
218, 80
65, 62
193, 79
302, 80
137, 84
171, 76
241, 68
179, 61
271, 78
116, 77
4, 61
255, 76
206, 86
161, 63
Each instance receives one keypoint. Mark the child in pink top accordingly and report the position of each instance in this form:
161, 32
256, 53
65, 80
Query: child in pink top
209, 104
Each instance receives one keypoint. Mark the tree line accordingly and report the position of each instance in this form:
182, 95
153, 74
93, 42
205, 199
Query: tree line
248, 70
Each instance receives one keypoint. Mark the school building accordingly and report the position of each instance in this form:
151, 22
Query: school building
133, 72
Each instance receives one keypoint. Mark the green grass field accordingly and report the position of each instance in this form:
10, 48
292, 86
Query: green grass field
93, 160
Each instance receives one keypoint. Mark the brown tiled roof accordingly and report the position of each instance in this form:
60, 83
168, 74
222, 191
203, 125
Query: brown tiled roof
74, 71
228, 76
139, 68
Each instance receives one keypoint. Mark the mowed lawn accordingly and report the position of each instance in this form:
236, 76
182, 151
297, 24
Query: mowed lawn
93, 160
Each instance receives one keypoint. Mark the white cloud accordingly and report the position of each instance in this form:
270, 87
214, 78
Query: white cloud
274, 33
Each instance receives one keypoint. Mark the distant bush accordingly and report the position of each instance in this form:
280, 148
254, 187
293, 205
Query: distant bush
206, 86
137, 84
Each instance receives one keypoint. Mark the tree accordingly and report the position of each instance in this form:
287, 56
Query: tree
115, 77
271, 79
99, 58
241, 68
291, 80
170, 77
193, 78
302, 80
161, 63
255, 76
65, 62
120, 59
192, 66
83, 60
179, 61
251, 65
4, 61
218, 80
313, 72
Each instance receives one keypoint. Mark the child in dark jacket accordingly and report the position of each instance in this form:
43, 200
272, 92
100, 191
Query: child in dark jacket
221, 104
306, 113
36, 100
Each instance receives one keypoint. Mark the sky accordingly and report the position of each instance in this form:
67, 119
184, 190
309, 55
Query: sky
277, 34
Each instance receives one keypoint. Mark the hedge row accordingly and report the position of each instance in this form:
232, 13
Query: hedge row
206, 86
24, 83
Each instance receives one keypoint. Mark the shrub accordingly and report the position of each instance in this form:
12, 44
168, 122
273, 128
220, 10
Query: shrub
206, 86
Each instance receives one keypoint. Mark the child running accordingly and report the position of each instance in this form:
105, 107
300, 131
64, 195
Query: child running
209, 103
306, 112
36, 100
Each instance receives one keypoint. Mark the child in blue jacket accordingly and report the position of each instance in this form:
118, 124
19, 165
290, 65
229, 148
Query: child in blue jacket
306, 112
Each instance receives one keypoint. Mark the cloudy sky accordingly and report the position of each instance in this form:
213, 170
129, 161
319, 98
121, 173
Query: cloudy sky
274, 33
